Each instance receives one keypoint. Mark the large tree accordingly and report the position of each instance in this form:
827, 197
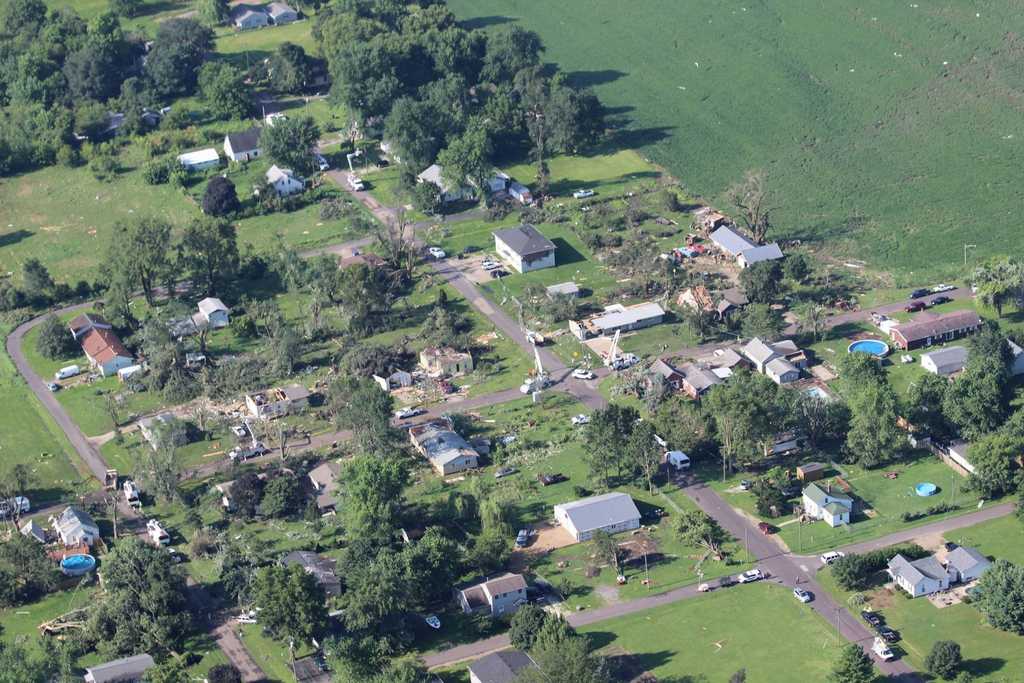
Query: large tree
26, 572
220, 198
994, 458
510, 49
359, 404
372, 488
754, 203
467, 157
222, 87
873, 437
999, 596
852, 666
748, 411
55, 341
288, 68
289, 143
606, 437
697, 529
139, 253
208, 252
291, 602
944, 659
178, 51
762, 281
977, 403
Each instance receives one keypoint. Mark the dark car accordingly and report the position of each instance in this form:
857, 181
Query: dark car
950, 546
498, 273
940, 300
522, 538
890, 635
872, 618
765, 528
549, 479
383, 163
915, 307
918, 293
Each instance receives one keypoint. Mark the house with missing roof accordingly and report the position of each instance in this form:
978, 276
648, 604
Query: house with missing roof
918, 577
500, 667
524, 248
75, 527
498, 596
700, 298
448, 193
124, 670
267, 405
825, 503
930, 328
945, 362
611, 513
618, 318
244, 145
445, 449
445, 362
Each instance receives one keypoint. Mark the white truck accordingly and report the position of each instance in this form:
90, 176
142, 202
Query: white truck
881, 649
157, 533
131, 494
67, 372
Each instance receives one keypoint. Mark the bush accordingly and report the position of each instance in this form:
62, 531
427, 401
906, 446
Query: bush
854, 572
104, 167
944, 659
55, 341
936, 509
333, 208
159, 171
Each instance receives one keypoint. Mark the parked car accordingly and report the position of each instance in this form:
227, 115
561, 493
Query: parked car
582, 373
580, 419
950, 546
873, 618
918, 293
914, 307
522, 538
549, 479
408, 412
940, 300
750, 576
765, 528
321, 162
176, 557
745, 484
12, 506
383, 163
504, 472
436, 252
582, 194
356, 183
53, 386
802, 595
890, 635
831, 556
943, 288
67, 372
498, 272
488, 264
882, 650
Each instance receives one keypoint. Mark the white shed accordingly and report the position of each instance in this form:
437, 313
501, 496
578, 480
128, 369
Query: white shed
200, 159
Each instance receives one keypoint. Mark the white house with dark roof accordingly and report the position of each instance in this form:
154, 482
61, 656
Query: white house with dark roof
244, 145
213, 313
965, 564
611, 513
833, 507
249, 16
498, 596
124, 670
284, 182
280, 13
499, 667
445, 449
918, 577
31, 529
945, 362
524, 248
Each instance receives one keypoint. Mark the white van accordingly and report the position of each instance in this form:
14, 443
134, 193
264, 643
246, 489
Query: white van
830, 557
66, 372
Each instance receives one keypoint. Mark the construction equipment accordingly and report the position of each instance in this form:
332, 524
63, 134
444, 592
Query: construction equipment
617, 361
539, 380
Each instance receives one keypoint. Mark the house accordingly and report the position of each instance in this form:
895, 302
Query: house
617, 318
781, 361
248, 17
783, 442
766, 252
697, 380
759, 353
213, 314
323, 569
945, 362
81, 324
699, 298
324, 478
930, 328
824, 503
672, 377
243, 146
281, 13
524, 248
445, 449
200, 159
150, 427
445, 362
563, 289
31, 529
124, 670
964, 564
709, 219
956, 456
610, 512
520, 193
397, 379
499, 667
75, 527
502, 595
730, 242
273, 403
498, 183
434, 175
105, 351
781, 371
811, 471
920, 577
284, 182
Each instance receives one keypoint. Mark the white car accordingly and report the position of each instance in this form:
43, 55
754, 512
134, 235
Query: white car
580, 419
321, 162
490, 265
582, 194
436, 252
802, 595
750, 576
582, 373
407, 412
832, 556
943, 288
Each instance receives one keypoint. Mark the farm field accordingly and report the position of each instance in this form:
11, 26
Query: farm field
867, 118
719, 633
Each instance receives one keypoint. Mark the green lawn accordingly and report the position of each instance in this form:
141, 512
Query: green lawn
759, 627
22, 622
1003, 538
252, 47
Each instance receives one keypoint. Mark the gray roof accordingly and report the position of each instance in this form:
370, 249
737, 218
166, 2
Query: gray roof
295, 392
570, 288
964, 559
440, 444
245, 141
699, 378
211, 305
766, 252
596, 512
276, 9
322, 568
948, 360
500, 667
758, 351
821, 497
119, 669
325, 475
926, 567
74, 517
617, 316
660, 367
31, 528
525, 240
730, 241
781, 366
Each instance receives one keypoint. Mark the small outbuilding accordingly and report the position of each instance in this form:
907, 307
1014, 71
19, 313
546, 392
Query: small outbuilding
945, 362
563, 289
500, 667
200, 159
811, 471
611, 513
213, 313
524, 248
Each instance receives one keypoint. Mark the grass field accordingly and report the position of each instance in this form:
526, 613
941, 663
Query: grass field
867, 117
759, 627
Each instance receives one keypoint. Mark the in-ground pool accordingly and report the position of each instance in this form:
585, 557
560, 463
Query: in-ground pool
76, 565
925, 489
878, 349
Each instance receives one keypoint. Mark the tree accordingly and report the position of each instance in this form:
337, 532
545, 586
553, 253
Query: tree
748, 411
812, 319
944, 659
26, 570
291, 603
510, 49
924, 399
282, 497
224, 673
760, 320
158, 470
568, 660
683, 424
697, 529
208, 253
978, 402
125, 8
360, 405
289, 143
752, 201
220, 198
372, 488
222, 87
179, 49
467, 157
605, 438
999, 596
214, 13
993, 457
138, 254
852, 666
246, 494
36, 277
643, 450
761, 281
797, 267
55, 341
525, 625
605, 548
998, 281
738, 677
289, 68
171, 670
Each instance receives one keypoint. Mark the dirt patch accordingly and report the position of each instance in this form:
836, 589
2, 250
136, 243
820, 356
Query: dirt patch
609, 594
638, 546
550, 537
626, 666
882, 598
933, 542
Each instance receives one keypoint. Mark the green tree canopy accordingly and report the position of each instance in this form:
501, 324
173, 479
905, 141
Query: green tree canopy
289, 143
222, 86
852, 666
55, 341
999, 596
944, 659
291, 602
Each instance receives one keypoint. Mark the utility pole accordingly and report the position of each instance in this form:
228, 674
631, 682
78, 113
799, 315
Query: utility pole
966, 247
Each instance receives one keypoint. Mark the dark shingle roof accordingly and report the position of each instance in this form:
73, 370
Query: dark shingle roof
245, 141
500, 667
925, 326
525, 240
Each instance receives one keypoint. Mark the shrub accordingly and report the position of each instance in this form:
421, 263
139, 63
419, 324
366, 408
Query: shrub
158, 172
944, 659
55, 341
936, 509
854, 572
104, 167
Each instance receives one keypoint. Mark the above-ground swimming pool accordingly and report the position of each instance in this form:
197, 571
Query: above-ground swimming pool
76, 565
925, 489
878, 349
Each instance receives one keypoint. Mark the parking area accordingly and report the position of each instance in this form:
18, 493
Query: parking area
472, 267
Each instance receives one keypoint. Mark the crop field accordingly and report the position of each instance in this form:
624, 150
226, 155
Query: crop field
889, 130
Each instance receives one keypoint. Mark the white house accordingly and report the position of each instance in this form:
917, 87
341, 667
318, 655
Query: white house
281, 13
200, 159
920, 577
272, 403
618, 318
124, 670
243, 146
1017, 353
781, 371
828, 505
247, 17
434, 175
213, 313
75, 527
945, 362
501, 595
766, 252
284, 181
611, 513
524, 248
105, 351
965, 564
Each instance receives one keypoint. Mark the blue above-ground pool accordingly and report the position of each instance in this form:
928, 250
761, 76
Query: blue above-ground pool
925, 489
76, 565
874, 347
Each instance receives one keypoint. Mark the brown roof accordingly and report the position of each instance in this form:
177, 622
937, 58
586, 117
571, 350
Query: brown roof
102, 345
924, 327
